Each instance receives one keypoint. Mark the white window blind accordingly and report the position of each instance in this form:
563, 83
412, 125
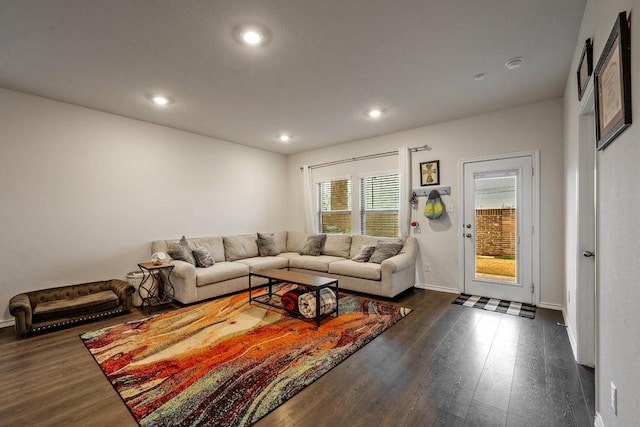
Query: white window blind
334, 213
380, 199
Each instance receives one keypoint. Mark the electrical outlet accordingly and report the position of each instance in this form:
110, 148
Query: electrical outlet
427, 267
449, 208
614, 398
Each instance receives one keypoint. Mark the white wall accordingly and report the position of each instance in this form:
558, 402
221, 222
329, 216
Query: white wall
528, 127
83, 193
618, 232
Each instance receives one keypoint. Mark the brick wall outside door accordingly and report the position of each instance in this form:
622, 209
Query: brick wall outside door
496, 232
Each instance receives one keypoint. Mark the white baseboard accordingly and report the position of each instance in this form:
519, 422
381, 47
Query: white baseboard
550, 306
7, 323
437, 288
598, 421
572, 336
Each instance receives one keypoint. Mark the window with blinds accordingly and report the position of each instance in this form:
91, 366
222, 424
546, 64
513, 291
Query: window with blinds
380, 200
334, 213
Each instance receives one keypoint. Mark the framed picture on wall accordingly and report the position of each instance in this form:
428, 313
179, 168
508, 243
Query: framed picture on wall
430, 173
612, 79
585, 67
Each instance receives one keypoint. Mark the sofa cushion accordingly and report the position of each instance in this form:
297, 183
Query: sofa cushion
364, 254
91, 303
337, 245
213, 244
288, 255
315, 263
267, 244
240, 247
181, 251
203, 257
296, 241
362, 270
357, 242
260, 263
281, 241
384, 251
314, 245
219, 272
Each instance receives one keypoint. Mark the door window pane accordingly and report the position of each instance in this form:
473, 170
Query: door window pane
495, 226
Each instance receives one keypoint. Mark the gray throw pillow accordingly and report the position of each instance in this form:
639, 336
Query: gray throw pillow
384, 251
203, 257
267, 245
364, 254
181, 251
314, 245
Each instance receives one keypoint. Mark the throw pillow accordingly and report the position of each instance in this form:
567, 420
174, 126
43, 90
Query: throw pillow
181, 251
364, 254
385, 250
314, 245
267, 245
203, 257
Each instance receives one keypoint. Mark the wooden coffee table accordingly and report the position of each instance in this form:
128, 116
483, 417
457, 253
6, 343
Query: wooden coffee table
275, 277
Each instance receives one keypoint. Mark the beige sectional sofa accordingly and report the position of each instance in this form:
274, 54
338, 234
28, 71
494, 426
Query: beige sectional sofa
235, 256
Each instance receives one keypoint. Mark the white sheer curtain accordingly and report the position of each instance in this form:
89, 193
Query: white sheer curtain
404, 211
309, 207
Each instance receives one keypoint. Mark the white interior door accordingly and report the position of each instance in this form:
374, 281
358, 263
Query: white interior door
498, 228
583, 303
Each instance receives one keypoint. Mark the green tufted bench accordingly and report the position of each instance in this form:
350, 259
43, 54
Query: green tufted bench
49, 308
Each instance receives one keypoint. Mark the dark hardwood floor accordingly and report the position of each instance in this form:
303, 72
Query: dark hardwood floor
442, 365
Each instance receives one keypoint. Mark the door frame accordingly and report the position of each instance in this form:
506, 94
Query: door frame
535, 216
585, 298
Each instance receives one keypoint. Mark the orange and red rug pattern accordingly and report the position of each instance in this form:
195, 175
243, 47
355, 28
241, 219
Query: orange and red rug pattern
227, 362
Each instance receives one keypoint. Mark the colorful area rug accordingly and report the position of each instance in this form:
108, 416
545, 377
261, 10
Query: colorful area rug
226, 362
499, 305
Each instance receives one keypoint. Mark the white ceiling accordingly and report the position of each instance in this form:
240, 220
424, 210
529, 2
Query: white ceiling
326, 62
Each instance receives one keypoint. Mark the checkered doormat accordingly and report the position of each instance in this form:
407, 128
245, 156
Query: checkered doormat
501, 306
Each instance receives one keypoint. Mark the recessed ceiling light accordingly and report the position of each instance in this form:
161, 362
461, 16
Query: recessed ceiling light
514, 63
284, 137
479, 76
160, 100
375, 113
252, 37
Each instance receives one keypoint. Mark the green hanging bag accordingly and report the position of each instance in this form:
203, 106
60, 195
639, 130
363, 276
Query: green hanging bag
434, 207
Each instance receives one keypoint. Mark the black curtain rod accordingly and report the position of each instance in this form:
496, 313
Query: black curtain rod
367, 157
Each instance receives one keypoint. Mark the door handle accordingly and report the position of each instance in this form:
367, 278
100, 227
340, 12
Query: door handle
468, 235
588, 254
468, 225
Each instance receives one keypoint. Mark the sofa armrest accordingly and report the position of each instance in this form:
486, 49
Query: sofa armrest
397, 263
20, 307
183, 278
399, 272
124, 291
183, 270
404, 259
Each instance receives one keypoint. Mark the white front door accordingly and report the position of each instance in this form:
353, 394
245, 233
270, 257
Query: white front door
498, 228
